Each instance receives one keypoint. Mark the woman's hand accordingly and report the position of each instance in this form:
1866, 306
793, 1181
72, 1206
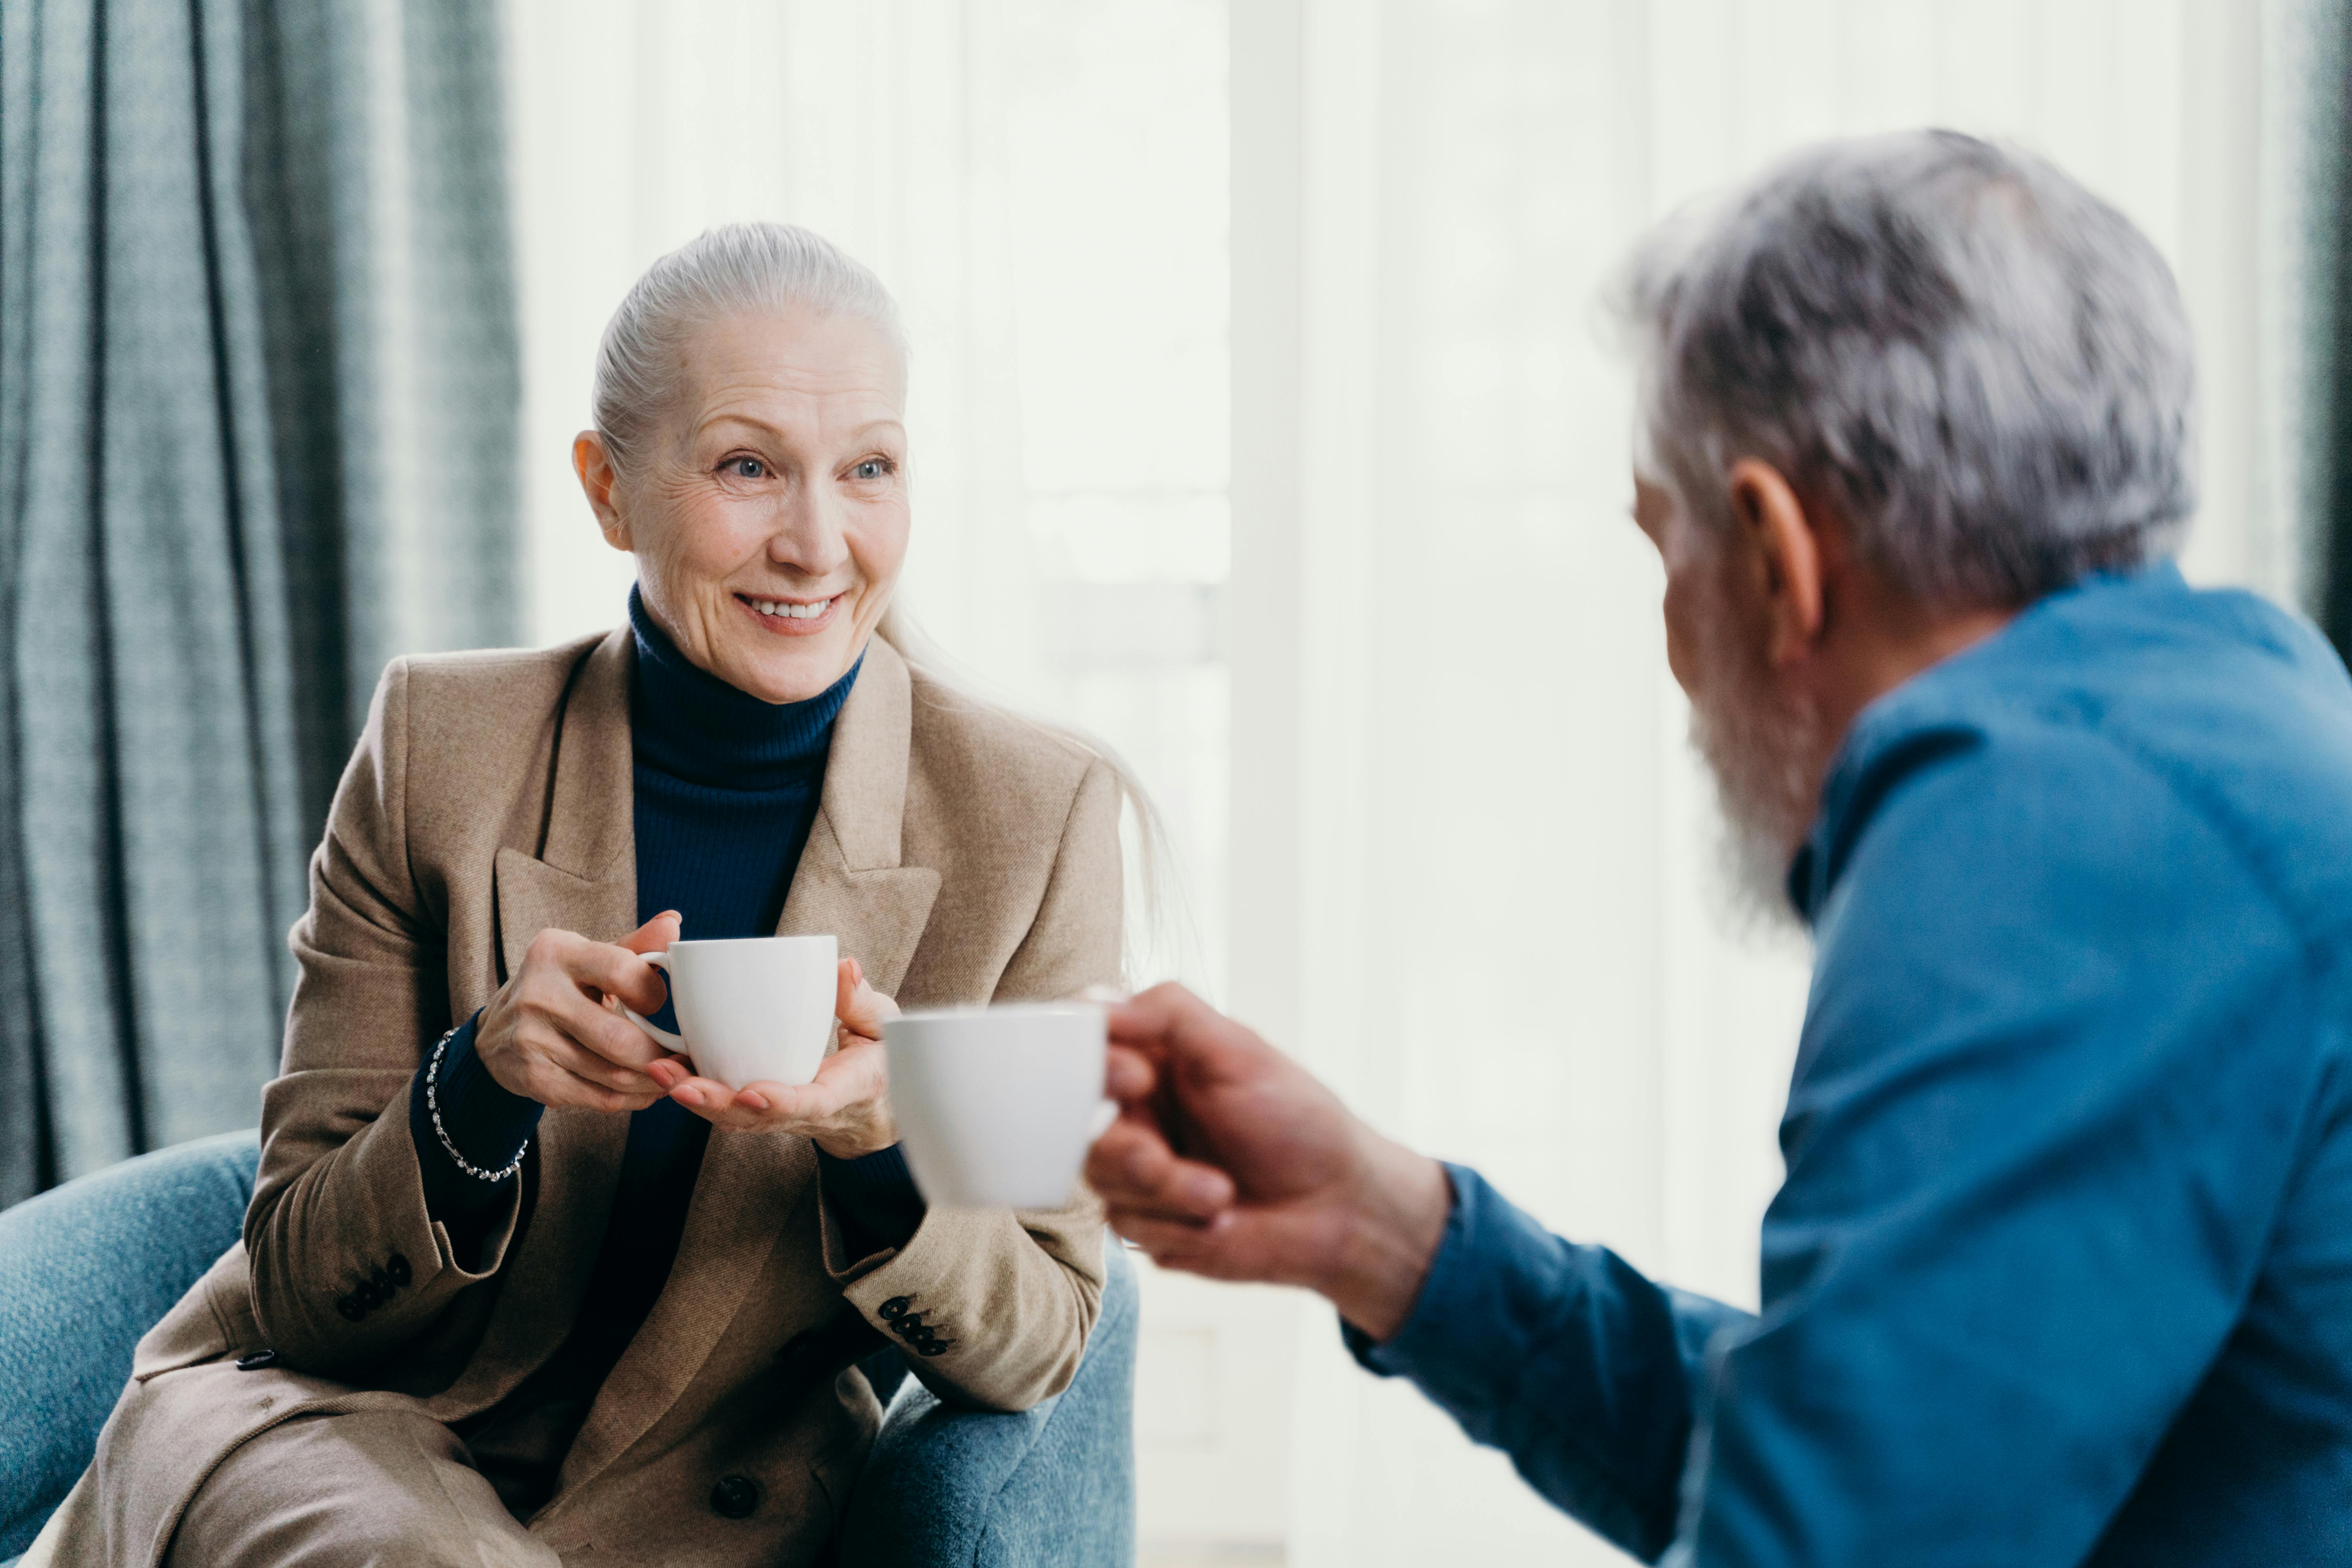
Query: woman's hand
846, 1109
554, 1033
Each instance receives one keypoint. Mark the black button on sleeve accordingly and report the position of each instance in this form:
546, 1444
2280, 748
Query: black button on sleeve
256, 1361
932, 1347
734, 1496
397, 1268
896, 1307
351, 1307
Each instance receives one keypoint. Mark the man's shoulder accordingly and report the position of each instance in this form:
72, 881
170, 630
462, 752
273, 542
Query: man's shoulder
2106, 861
2206, 733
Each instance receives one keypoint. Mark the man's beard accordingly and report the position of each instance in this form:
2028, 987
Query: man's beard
1761, 743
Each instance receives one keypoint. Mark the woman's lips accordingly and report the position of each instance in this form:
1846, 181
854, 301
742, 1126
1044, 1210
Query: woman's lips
791, 617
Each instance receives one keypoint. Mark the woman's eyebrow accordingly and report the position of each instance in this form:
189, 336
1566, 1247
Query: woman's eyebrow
748, 421
751, 421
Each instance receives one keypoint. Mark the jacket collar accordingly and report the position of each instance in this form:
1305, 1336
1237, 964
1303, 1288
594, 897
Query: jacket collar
849, 882
1942, 708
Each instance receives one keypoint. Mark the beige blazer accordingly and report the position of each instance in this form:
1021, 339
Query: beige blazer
960, 853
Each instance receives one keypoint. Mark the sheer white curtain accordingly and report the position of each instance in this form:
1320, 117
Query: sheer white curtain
1263, 423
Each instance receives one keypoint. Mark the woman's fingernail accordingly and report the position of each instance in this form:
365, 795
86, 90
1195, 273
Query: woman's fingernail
689, 1097
1204, 1190
757, 1102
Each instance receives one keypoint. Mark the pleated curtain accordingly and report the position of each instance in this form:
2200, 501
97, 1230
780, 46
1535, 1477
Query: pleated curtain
259, 394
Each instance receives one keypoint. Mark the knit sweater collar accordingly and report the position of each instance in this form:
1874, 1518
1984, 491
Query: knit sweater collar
690, 724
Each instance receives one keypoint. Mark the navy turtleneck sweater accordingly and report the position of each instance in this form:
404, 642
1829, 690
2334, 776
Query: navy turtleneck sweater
726, 790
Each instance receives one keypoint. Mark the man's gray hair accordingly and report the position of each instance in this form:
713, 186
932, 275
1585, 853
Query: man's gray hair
1985, 370
737, 269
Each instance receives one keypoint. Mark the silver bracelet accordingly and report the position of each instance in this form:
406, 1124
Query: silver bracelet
433, 1104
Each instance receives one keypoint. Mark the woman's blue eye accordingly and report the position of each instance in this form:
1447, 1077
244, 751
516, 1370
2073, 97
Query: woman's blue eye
872, 469
747, 467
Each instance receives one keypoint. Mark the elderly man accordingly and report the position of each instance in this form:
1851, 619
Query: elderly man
2062, 1271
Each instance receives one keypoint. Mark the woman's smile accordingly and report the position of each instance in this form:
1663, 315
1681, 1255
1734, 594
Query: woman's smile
793, 617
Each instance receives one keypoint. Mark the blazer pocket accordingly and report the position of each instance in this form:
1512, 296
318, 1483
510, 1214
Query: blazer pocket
214, 1318
852, 1420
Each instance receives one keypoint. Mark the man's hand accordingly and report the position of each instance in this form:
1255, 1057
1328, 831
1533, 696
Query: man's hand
846, 1109
1230, 1160
551, 1033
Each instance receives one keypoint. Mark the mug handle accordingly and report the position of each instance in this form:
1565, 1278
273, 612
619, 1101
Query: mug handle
663, 1037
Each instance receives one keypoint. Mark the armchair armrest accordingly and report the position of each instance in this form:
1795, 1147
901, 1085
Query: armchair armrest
85, 1270
1055, 1484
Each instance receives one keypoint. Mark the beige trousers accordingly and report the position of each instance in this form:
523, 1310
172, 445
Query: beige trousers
354, 1490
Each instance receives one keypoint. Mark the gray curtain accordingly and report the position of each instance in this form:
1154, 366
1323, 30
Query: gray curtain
257, 425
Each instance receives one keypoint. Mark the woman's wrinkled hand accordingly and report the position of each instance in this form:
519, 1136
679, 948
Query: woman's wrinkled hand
554, 1033
845, 1110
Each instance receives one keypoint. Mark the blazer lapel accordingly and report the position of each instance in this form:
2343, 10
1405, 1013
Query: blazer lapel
586, 881
584, 878
849, 883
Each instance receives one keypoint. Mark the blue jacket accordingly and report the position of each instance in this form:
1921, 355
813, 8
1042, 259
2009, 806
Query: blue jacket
2062, 1271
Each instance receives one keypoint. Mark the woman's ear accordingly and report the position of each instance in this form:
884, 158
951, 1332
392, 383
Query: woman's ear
1787, 550
594, 464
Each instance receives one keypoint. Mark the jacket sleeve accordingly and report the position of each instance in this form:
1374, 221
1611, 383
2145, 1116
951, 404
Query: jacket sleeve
1012, 1297
348, 1264
1564, 1357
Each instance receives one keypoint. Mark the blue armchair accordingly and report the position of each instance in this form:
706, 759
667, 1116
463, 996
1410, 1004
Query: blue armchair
87, 1268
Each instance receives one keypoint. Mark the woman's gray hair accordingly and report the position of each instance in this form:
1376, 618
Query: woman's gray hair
1985, 370
737, 269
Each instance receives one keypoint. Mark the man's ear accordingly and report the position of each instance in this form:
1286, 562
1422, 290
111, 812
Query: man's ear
594, 464
1787, 550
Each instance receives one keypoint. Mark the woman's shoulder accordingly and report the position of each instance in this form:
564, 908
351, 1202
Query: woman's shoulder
500, 683
994, 750
983, 774
490, 709
1021, 820
494, 677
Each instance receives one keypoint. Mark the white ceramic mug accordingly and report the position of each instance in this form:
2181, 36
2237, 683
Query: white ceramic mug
997, 1106
755, 1009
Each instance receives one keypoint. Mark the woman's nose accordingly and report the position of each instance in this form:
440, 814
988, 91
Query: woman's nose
810, 536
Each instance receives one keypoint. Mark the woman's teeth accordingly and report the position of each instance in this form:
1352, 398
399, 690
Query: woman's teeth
792, 612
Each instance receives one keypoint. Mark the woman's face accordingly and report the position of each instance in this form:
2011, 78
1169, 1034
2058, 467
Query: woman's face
768, 509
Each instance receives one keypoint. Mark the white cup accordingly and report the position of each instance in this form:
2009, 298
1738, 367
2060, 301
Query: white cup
996, 1106
756, 1009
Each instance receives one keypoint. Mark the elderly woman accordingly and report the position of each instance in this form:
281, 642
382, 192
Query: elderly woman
524, 1288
